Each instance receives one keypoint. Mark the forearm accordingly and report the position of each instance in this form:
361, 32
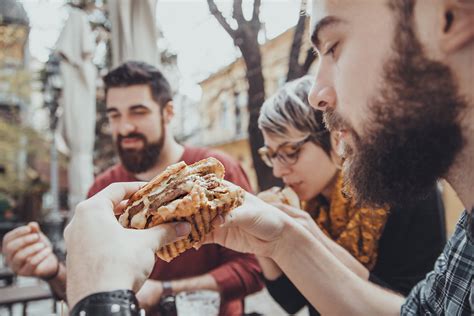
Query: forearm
347, 259
81, 282
342, 255
58, 284
202, 282
322, 278
271, 271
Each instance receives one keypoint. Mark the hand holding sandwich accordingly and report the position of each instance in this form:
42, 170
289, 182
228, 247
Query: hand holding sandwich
94, 263
255, 227
273, 231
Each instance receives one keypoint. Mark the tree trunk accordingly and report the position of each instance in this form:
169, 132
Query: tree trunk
256, 97
295, 69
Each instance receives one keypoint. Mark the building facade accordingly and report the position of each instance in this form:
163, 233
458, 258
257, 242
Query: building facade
223, 109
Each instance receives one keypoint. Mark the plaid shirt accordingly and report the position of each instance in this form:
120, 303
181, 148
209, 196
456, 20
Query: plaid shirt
449, 288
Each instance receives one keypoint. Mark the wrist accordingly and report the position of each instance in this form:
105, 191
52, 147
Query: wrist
167, 288
293, 235
81, 283
271, 271
119, 302
54, 274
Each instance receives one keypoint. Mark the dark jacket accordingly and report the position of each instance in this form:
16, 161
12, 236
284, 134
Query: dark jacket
413, 238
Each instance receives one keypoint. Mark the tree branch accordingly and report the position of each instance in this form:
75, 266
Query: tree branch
294, 68
256, 10
220, 18
237, 12
310, 58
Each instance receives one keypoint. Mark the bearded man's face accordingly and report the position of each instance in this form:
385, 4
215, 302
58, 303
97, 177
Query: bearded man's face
396, 112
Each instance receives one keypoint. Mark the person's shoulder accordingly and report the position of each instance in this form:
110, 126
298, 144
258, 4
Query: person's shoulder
115, 173
198, 153
233, 170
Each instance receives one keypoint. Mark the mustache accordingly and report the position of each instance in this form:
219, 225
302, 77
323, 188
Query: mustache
334, 121
140, 136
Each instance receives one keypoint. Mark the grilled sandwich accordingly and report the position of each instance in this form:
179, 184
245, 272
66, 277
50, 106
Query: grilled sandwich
194, 193
278, 195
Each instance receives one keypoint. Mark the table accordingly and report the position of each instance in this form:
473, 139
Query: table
6, 276
23, 295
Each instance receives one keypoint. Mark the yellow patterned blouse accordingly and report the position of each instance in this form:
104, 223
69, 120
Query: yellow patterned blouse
358, 230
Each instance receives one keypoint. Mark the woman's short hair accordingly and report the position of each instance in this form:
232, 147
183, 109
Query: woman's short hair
288, 112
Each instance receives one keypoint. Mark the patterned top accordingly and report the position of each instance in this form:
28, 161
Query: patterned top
356, 229
449, 288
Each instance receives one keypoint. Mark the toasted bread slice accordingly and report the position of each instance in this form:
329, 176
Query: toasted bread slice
194, 193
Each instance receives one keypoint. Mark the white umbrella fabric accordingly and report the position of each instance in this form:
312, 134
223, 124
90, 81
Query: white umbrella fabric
76, 46
134, 31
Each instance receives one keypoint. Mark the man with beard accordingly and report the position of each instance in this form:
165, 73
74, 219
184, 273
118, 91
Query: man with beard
139, 110
396, 82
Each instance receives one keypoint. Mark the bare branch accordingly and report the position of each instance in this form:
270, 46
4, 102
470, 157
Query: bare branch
220, 18
294, 68
256, 10
310, 58
237, 12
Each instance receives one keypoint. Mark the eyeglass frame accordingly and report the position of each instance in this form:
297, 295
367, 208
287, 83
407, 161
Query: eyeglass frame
267, 157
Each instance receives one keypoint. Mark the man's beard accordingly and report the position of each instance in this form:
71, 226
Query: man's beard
413, 132
140, 160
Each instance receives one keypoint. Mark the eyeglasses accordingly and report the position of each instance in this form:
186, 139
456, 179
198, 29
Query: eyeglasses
286, 153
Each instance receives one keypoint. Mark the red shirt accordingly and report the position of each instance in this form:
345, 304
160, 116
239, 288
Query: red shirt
236, 274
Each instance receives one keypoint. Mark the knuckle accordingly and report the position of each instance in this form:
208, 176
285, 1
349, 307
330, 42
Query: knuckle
81, 207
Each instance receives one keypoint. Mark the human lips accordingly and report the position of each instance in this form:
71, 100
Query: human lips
130, 141
294, 184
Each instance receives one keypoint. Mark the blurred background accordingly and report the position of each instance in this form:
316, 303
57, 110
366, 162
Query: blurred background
210, 51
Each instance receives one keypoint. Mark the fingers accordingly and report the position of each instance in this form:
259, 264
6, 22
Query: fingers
31, 266
24, 254
40, 256
240, 216
120, 207
34, 227
290, 210
14, 234
10, 248
161, 235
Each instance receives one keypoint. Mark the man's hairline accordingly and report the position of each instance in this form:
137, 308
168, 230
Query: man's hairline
162, 107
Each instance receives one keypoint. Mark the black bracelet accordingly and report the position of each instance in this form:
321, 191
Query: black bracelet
54, 275
116, 303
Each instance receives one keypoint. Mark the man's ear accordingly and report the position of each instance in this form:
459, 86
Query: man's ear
168, 112
457, 25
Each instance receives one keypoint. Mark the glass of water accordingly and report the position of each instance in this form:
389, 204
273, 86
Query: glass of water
198, 303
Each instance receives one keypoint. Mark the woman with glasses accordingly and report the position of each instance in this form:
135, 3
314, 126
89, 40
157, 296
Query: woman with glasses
377, 244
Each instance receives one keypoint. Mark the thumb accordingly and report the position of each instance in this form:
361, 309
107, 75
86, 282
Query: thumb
165, 234
291, 211
34, 227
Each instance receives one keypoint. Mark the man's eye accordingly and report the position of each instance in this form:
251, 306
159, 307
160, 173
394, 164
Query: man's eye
332, 50
140, 112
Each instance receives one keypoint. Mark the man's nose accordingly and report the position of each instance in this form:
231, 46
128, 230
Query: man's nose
322, 97
126, 128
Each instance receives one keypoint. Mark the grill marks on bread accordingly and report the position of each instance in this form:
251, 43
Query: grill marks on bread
195, 193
